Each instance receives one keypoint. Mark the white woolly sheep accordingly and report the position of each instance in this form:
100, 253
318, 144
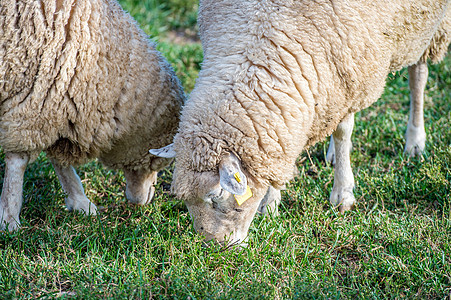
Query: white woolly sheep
415, 133
418, 73
277, 77
80, 81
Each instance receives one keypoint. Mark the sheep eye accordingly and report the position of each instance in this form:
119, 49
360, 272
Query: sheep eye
217, 203
215, 196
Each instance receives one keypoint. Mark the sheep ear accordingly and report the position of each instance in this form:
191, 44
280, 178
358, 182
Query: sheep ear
232, 179
166, 151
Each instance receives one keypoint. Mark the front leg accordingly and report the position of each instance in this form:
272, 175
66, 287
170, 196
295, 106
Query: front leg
342, 193
71, 183
11, 198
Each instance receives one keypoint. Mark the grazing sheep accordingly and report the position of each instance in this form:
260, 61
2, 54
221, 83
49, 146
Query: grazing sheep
277, 77
418, 73
415, 133
80, 81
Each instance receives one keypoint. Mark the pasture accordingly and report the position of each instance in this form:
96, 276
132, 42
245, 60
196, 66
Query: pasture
395, 244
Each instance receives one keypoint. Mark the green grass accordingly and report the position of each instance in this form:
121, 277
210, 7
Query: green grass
395, 244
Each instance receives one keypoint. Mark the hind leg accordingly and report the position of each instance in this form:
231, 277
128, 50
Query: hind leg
415, 133
12, 193
71, 183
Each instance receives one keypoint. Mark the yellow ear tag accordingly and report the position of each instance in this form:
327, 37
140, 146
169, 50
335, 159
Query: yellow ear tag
237, 177
241, 199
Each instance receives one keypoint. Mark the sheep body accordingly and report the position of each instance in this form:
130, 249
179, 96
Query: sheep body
300, 80
294, 71
77, 78
415, 133
342, 193
80, 80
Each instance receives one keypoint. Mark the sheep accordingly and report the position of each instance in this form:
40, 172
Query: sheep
418, 73
415, 133
80, 81
277, 77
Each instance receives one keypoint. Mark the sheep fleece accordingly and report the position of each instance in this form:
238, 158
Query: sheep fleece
81, 80
279, 75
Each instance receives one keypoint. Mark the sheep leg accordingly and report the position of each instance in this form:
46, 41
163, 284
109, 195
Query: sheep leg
12, 193
71, 183
270, 203
342, 193
415, 133
140, 186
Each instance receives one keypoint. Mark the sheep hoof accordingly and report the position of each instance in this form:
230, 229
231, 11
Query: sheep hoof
415, 140
86, 207
10, 225
414, 151
272, 209
343, 198
343, 208
270, 203
330, 157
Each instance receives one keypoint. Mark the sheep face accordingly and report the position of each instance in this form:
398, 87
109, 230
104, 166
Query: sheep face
221, 202
140, 186
218, 217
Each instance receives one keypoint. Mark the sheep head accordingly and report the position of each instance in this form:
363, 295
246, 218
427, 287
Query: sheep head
221, 201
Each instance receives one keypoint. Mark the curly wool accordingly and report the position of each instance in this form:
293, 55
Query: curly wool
279, 76
81, 80
438, 48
